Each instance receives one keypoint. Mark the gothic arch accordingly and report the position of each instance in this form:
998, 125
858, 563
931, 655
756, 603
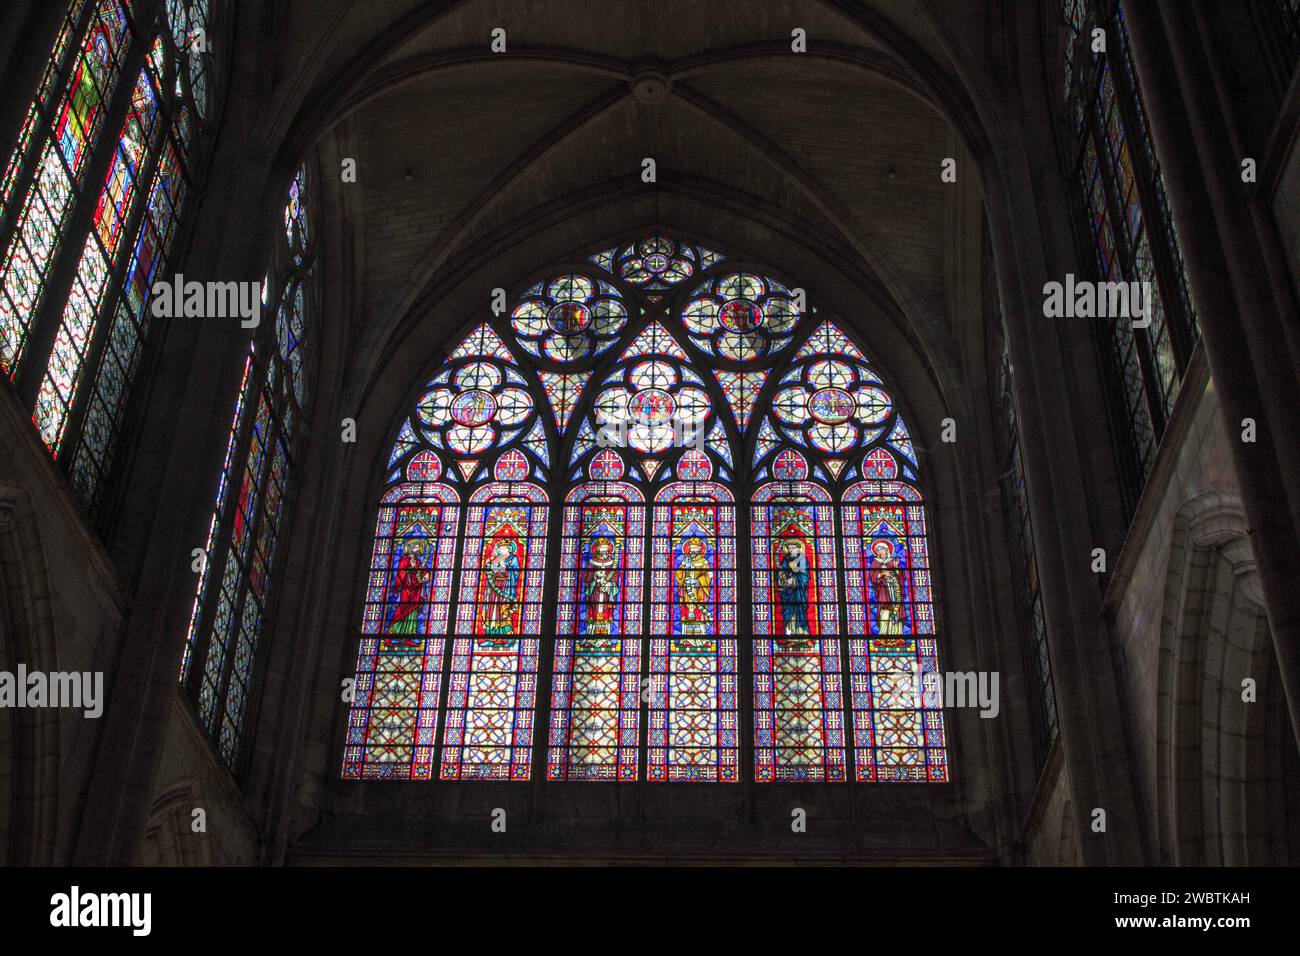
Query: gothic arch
1214, 749
605, 371
169, 838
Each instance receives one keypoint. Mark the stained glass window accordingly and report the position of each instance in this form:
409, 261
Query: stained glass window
103, 246
297, 227
741, 317
562, 390
898, 725
596, 709
650, 403
1130, 231
656, 263
694, 720
1020, 533
48, 168
181, 154
503, 560
84, 338
635, 382
490, 703
408, 597
602, 556
693, 581
569, 318
834, 433
229, 620
794, 556
461, 533
741, 391
798, 710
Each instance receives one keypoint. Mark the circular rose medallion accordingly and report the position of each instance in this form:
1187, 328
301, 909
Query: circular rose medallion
656, 262
652, 406
569, 318
831, 406
740, 315
474, 407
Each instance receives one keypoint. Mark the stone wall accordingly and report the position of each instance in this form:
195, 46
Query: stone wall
1187, 617
61, 609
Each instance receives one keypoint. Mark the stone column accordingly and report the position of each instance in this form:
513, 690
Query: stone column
1242, 321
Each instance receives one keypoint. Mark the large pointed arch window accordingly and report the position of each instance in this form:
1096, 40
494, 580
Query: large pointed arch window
725, 470
230, 615
75, 346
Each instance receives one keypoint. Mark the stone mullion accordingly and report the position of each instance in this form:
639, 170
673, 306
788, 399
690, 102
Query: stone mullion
549, 617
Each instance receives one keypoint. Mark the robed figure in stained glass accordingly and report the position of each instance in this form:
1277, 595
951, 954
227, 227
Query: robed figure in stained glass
694, 580
792, 585
600, 587
886, 588
78, 114
407, 594
501, 589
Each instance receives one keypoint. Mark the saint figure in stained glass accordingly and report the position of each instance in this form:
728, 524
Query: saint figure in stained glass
80, 107
407, 594
792, 585
886, 589
600, 585
694, 579
500, 597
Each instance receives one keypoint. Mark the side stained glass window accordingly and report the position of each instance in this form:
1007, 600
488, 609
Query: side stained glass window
630, 386
229, 620
48, 169
75, 349
1129, 229
220, 514
99, 257
1020, 534
180, 158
